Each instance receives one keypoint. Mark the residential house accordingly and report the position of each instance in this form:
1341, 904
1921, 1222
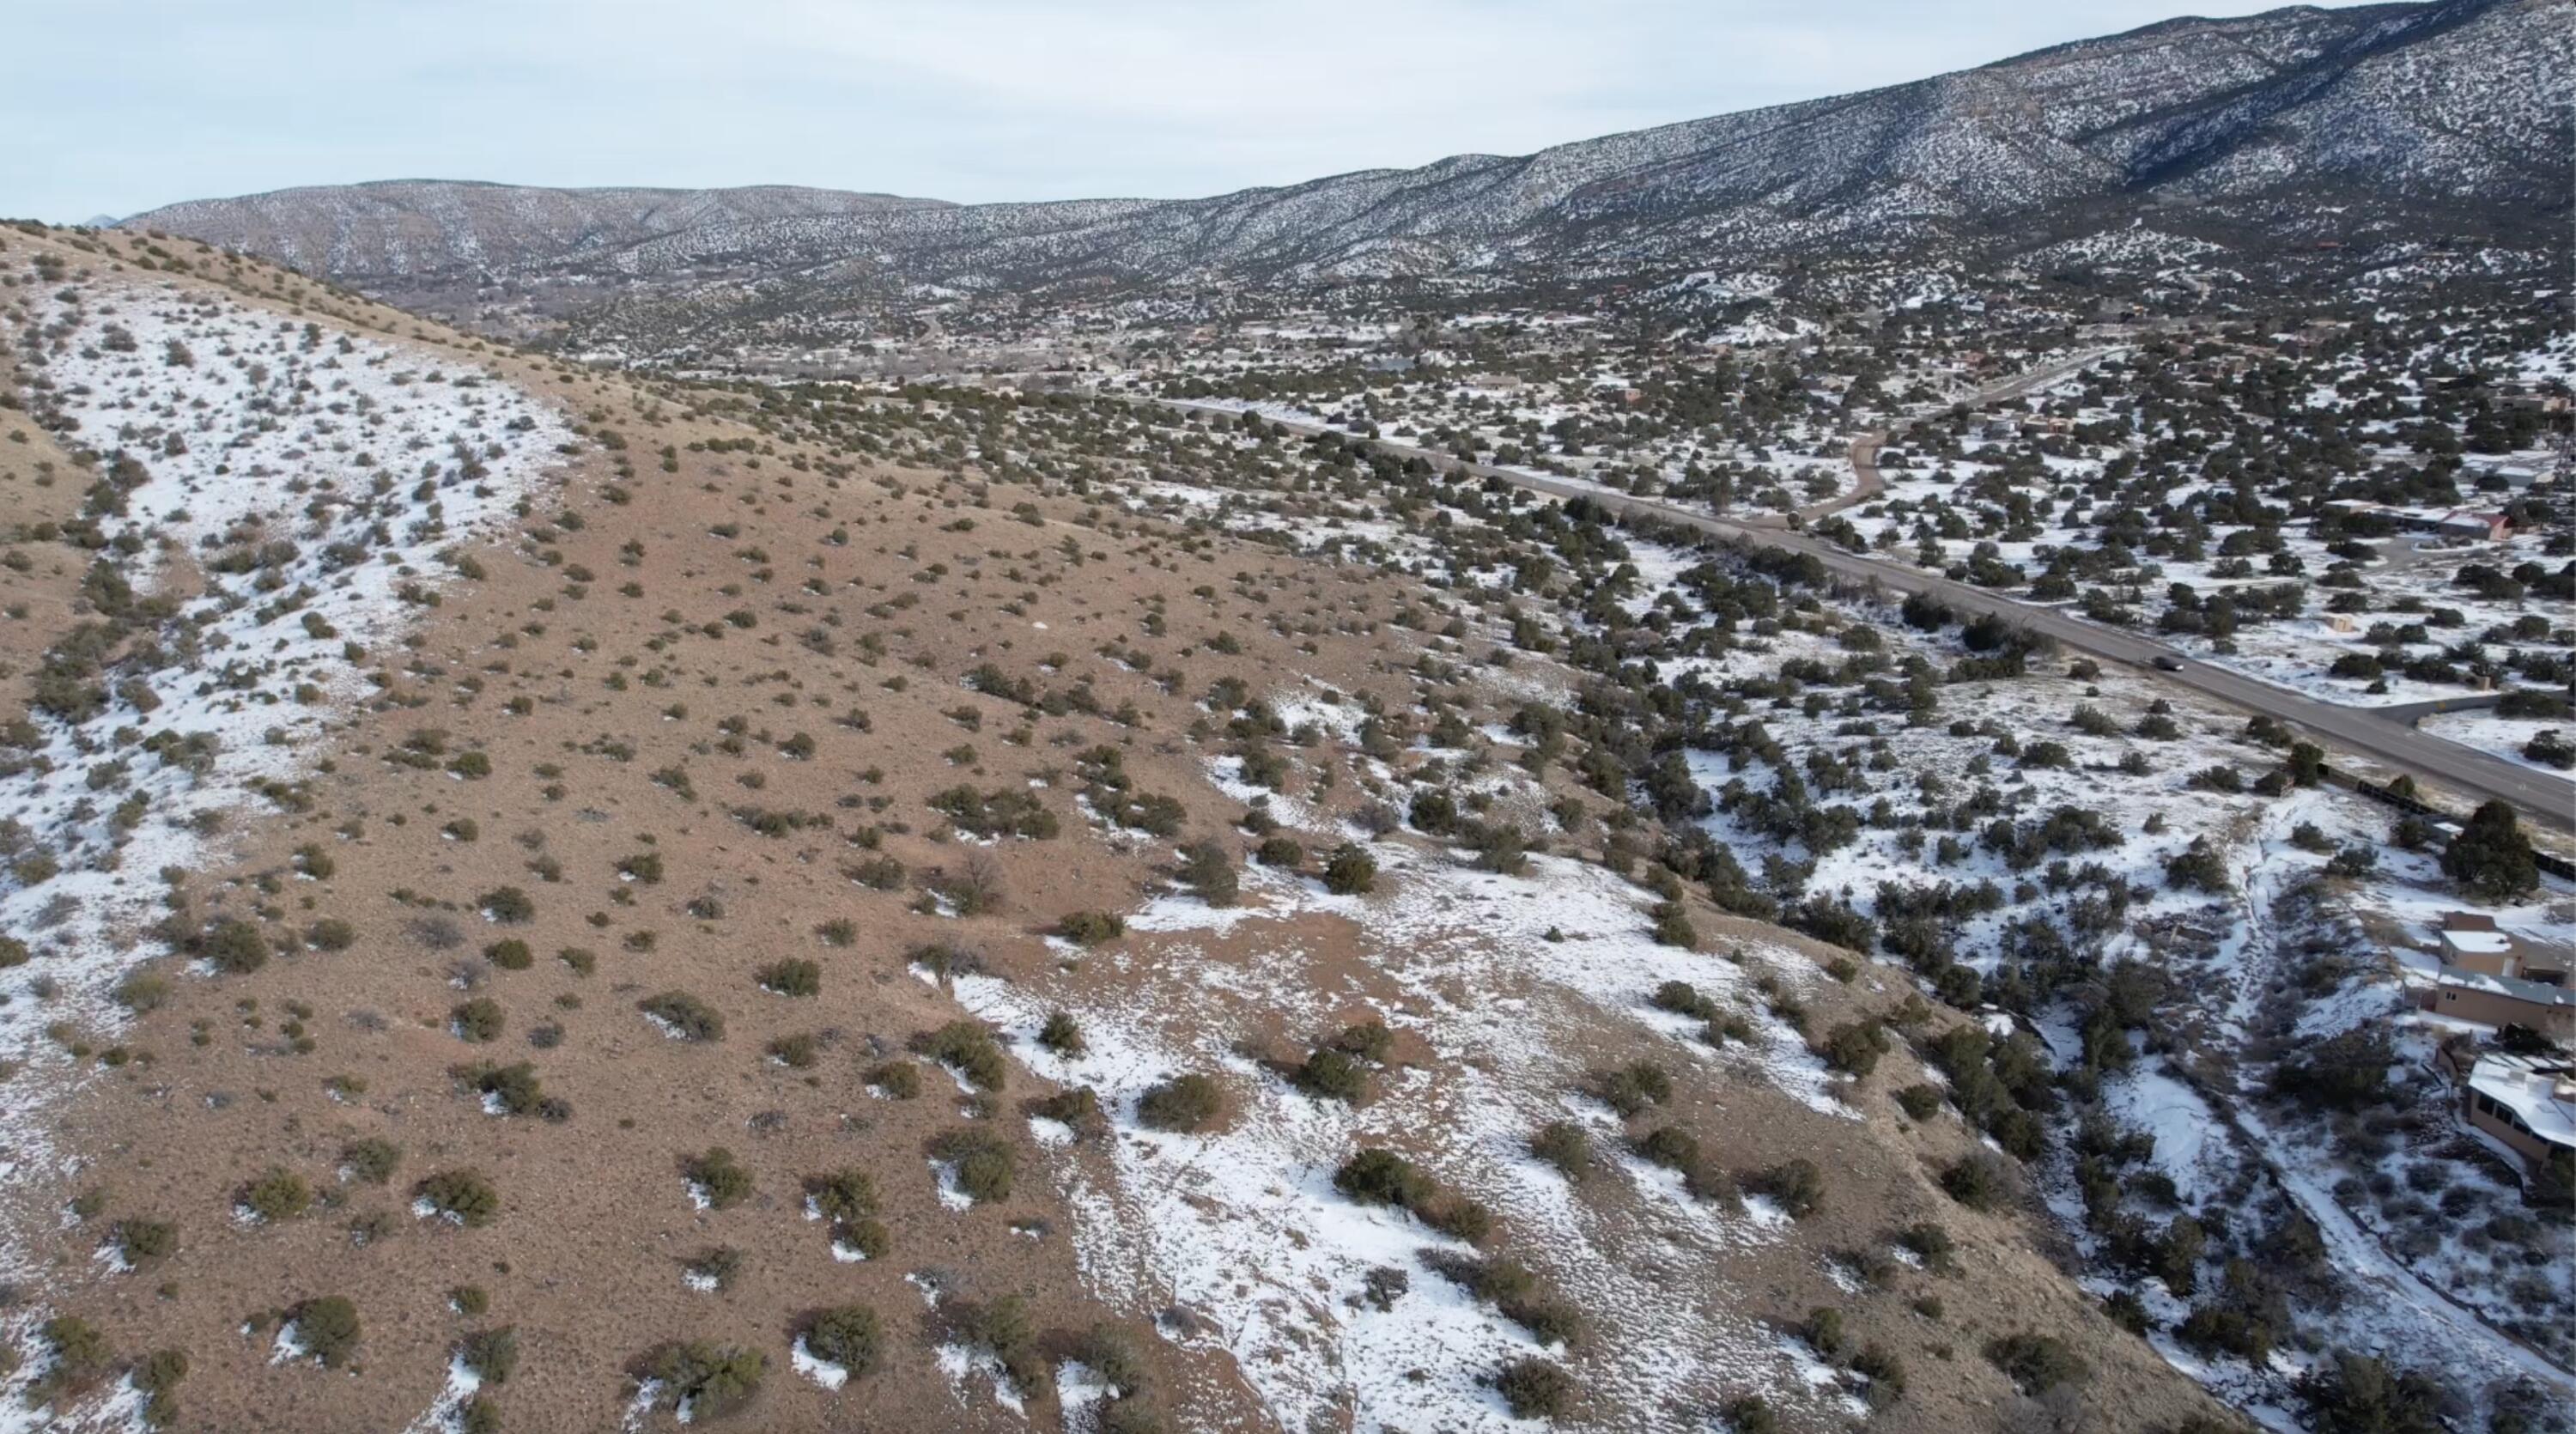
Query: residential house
2470, 941
2523, 1103
2469, 523
2500, 1001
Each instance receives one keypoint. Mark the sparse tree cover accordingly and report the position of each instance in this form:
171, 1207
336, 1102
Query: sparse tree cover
2491, 859
757, 688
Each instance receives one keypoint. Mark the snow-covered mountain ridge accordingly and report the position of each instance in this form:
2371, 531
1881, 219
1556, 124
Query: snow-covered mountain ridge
2297, 128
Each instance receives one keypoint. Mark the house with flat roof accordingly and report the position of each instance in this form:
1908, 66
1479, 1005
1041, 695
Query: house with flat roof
2470, 941
2500, 1001
2524, 1103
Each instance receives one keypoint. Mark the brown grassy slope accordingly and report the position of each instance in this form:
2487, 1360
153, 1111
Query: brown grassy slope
580, 693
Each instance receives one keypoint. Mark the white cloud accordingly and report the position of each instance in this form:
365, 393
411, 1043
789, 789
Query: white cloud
134, 103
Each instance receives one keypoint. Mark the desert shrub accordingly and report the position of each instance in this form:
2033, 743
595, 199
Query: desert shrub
1672, 1147
1090, 928
1549, 1320
1823, 1332
1002, 811
1208, 870
2347, 1071
278, 1194
845, 1335
1885, 1373
78, 1360
1061, 1034
1751, 1413
1183, 1103
235, 947
870, 1238
1927, 1240
982, 1161
1351, 871
143, 1242
1563, 1144
508, 905
1329, 1074
1129, 1414
1381, 1177
144, 992
1461, 1219
1534, 1388
1978, 1180
156, 1377
511, 954
515, 1089
1683, 999
2222, 1329
1280, 850
480, 1019
717, 1177
878, 873
1005, 1328
2036, 1363
1797, 1186
1921, 1100
801, 1051
1854, 1047
900, 1080
716, 1265
462, 1196
2356, 1394
1366, 1040
327, 1328
1078, 1108
1633, 1087
701, 1379
792, 977
968, 1048
684, 1016
2491, 859
492, 1354
2198, 867
843, 1195
370, 1160
1673, 927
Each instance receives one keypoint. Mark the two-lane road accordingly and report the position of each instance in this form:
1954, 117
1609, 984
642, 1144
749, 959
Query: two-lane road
2538, 796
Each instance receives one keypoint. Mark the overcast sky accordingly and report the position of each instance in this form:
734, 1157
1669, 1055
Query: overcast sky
116, 106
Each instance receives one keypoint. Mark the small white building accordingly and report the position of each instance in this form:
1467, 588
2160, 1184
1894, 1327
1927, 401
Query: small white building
2526, 1104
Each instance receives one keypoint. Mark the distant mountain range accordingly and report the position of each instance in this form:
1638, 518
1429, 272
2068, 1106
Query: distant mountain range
2302, 127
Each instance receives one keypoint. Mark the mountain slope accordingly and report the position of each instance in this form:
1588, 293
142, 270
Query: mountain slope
411, 227
2406, 122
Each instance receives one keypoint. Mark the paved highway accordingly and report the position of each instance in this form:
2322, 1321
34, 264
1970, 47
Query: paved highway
2539, 796
1864, 448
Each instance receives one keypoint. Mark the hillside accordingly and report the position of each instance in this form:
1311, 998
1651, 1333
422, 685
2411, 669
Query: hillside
2387, 125
762, 867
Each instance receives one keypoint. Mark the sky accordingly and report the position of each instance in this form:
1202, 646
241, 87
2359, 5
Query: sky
111, 107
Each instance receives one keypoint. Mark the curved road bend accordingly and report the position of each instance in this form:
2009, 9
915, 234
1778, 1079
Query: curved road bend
2541, 797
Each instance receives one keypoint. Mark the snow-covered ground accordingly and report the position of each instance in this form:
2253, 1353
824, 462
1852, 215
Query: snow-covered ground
1500, 977
291, 489
2017, 745
2504, 736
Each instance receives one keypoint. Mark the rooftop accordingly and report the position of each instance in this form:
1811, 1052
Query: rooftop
2538, 1090
2489, 943
2532, 991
